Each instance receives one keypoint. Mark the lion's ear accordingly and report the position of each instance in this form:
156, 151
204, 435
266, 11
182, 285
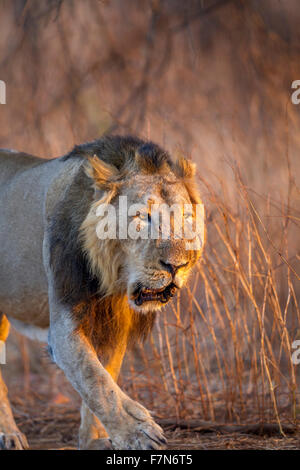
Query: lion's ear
101, 172
185, 168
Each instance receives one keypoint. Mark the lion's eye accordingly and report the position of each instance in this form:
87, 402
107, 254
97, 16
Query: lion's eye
145, 216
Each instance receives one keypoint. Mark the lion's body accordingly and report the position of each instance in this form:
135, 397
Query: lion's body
28, 187
89, 297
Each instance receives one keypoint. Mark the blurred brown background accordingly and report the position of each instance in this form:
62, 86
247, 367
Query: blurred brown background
211, 79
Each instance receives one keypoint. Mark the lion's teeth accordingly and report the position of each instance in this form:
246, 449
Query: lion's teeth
162, 295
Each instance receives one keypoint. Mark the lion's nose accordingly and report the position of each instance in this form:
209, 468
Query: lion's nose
172, 268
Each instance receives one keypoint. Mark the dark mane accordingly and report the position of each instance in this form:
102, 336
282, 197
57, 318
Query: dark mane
103, 319
73, 280
120, 151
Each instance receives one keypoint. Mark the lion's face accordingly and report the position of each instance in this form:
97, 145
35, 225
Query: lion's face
153, 260
156, 266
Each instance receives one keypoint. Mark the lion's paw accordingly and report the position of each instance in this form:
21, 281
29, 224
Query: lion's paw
13, 441
139, 432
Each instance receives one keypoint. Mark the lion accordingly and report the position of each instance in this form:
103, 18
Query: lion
89, 298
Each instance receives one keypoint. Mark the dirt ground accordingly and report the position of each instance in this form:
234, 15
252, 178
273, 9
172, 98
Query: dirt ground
55, 426
46, 409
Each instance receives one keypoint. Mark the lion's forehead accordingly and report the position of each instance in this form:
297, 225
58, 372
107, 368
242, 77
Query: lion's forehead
157, 190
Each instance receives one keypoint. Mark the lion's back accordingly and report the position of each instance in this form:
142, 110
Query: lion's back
13, 162
26, 183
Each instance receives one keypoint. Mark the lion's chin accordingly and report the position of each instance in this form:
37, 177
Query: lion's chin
147, 306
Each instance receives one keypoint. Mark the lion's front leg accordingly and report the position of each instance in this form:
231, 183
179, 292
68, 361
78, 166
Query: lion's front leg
128, 424
10, 436
92, 434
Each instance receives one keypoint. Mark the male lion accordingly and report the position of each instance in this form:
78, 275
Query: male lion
88, 298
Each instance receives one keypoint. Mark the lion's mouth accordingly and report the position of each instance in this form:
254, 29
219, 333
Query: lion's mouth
145, 294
